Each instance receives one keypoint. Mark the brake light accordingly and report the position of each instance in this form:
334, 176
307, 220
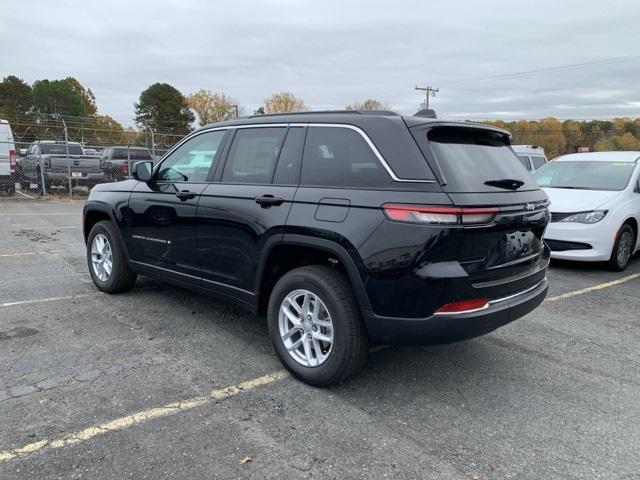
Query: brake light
464, 306
439, 215
124, 168
12, 159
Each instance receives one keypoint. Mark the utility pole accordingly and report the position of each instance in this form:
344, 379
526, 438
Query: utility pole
428, 90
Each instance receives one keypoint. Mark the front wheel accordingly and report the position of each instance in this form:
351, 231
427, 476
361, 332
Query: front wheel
106, 259
315, 325
622, 248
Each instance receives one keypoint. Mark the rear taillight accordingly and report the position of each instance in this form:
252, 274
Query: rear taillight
12, 160
464, 306
124, 168
439, 215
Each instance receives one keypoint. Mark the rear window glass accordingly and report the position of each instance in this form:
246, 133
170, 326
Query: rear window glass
471, 157
583, 175
133, 154
60, 149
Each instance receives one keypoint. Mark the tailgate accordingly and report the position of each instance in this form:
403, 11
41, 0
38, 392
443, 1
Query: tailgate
79, 165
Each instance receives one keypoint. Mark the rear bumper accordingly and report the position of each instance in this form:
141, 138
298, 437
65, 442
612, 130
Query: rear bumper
454, 327
63, 178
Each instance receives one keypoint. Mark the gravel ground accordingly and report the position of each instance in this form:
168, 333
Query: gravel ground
553, 395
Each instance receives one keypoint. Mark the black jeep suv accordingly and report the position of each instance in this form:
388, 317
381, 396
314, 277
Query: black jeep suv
344, 228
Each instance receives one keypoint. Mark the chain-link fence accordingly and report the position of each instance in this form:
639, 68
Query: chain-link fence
51, 155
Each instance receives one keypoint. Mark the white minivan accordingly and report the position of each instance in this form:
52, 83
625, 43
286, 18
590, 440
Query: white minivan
531, 156
7, 159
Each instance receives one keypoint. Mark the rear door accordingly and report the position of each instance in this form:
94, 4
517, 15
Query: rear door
161, 221
478, 169
245, 210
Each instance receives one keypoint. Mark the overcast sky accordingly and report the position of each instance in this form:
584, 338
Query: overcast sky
331, 52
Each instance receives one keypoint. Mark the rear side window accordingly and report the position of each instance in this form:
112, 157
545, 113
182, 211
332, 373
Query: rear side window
470, 157
340, 157
253, 155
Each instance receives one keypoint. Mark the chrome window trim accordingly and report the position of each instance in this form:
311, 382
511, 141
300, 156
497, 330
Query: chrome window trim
366, 138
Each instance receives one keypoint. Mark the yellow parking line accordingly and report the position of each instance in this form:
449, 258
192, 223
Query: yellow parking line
41, 300
20, 254
601, 286
38, 214
141, 417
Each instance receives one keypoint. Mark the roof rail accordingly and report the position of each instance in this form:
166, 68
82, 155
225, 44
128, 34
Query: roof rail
328, 112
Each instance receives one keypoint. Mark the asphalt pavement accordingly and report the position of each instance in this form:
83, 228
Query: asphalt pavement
161, 382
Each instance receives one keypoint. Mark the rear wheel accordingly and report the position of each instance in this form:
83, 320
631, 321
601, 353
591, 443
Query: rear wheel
106, 259
623, 248
315, 325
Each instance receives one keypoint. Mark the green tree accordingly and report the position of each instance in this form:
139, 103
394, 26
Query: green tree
88, 98
368, 104
57, 97
163, 107
212, 107
15, 96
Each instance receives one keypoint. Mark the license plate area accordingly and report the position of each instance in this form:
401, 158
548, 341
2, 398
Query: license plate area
76, 174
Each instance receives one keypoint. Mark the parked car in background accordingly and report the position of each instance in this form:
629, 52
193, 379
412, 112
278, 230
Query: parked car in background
531, 156
340, 227
7, 159
57, 163
595, 206
117, 161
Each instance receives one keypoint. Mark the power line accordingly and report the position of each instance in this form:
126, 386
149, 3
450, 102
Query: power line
559, 68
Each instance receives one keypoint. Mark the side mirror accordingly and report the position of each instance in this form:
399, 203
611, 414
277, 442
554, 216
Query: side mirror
142, 171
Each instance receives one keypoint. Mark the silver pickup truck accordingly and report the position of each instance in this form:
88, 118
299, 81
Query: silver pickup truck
56, 163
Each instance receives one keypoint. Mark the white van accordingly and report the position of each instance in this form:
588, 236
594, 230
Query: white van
531, 156
7, 159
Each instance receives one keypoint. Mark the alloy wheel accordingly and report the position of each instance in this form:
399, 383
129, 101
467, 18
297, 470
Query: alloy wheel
306, 328
101, 257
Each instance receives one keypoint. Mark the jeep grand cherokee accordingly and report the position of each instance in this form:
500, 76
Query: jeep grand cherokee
344, 228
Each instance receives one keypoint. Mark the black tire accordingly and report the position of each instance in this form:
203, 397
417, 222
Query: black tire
620, 259
25, 185
351, 343
11, 188
121, 278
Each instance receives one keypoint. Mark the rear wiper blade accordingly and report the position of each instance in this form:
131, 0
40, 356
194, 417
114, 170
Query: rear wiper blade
507, 183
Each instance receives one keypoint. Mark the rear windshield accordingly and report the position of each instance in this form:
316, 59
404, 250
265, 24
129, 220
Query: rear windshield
585, 175
471, 157
134, 154
60, 149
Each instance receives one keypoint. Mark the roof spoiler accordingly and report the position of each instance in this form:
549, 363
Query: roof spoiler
426, 112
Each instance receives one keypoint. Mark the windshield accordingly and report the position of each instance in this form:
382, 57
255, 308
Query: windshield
585, 175
60, 149
477, 160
